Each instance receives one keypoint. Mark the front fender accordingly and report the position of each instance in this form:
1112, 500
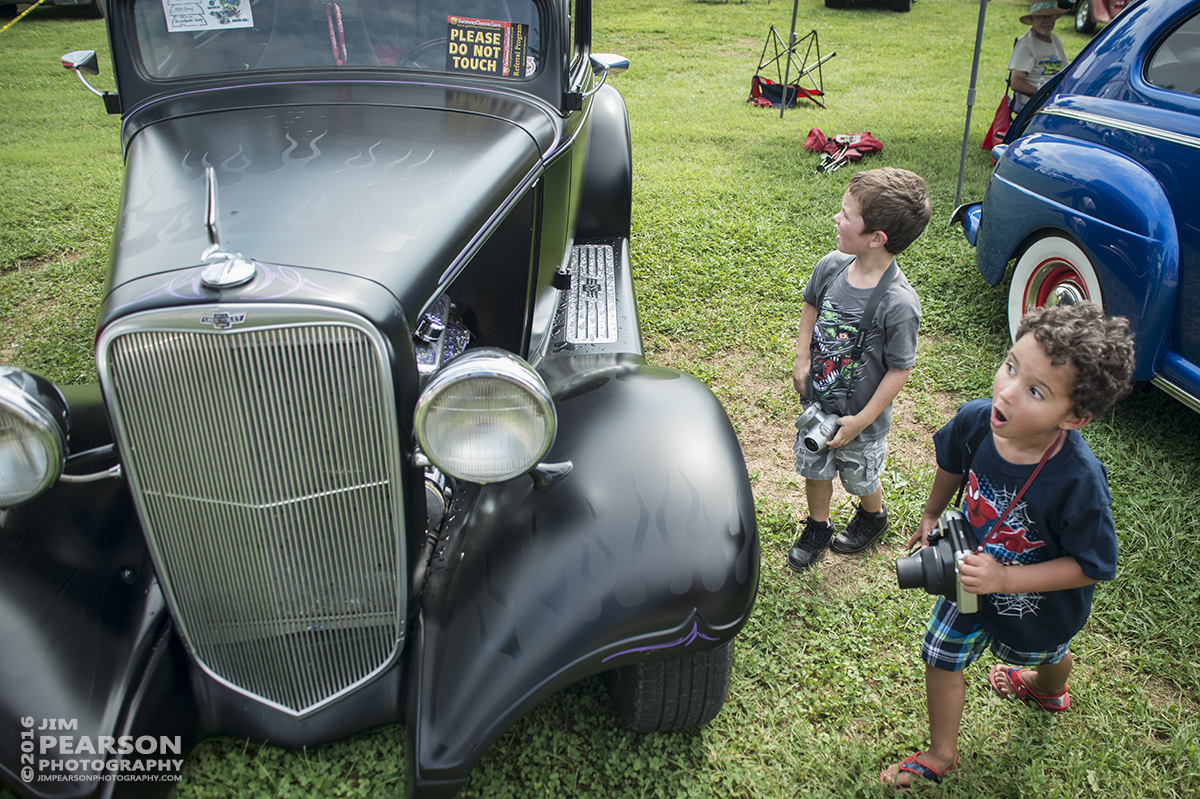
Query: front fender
647, 548
607, 205
1112, 207
80, 614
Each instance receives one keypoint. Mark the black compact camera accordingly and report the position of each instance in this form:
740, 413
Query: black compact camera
816, 427
935, 567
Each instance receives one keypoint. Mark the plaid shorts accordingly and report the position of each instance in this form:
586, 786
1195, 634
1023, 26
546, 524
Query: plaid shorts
954, 641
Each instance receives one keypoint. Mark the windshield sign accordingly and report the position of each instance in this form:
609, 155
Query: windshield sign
187, 38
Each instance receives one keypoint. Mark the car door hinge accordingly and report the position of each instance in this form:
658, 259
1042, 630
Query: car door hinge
573, 101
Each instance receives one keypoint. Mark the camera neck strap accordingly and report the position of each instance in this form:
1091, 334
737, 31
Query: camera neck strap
976, 443
996, 527
864, 323
868, 315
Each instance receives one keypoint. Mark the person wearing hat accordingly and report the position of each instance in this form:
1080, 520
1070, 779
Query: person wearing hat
1038, 55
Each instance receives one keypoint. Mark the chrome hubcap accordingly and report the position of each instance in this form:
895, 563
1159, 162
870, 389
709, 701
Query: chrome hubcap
1054, 283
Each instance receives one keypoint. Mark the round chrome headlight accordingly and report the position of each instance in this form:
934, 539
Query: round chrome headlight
33, 442
486, 417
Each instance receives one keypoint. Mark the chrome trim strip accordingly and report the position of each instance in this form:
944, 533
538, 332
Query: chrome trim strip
1174, 390
1121, 124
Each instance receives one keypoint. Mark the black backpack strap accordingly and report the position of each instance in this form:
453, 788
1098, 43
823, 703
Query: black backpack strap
868, 315
976, 442
864, 324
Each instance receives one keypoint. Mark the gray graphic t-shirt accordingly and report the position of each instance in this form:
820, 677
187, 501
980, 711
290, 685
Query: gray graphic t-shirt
841, 385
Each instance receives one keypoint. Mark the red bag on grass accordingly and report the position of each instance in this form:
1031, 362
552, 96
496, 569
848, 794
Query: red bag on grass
855, 145
852, 145
841, 149
1000, 122
815, 142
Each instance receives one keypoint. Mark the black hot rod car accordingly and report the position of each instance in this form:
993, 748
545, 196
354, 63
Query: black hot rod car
373, 439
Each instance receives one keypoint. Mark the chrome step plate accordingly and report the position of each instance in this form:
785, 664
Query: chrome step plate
592, 300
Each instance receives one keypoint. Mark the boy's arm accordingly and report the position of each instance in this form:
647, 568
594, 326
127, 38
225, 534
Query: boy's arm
940, 495
803, 362
981, 574
850, 426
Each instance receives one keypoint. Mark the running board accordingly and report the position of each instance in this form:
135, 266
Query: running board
591, 316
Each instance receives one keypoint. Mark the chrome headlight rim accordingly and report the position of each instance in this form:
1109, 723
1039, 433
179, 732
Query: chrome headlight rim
36, 405
492, 364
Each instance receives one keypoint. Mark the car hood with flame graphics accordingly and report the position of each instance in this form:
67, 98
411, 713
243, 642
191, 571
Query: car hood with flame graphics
394, 195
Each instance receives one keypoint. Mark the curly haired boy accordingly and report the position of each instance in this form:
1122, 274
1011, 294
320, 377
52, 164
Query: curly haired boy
1044, 542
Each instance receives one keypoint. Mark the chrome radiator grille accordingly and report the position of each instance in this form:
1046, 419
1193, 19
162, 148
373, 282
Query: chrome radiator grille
264, 460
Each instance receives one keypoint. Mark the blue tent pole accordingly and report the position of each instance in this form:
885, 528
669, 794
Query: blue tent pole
962, 160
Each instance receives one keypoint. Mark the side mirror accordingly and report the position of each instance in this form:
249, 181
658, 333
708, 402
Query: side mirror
605, 64
609, 64
81, 61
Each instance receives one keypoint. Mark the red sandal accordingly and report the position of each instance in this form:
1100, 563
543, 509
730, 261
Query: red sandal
913, 765
1021, 690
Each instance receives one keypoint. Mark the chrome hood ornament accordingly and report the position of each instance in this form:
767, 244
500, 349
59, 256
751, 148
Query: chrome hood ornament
225, 269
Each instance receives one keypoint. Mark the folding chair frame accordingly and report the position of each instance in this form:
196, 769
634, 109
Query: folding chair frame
785, 57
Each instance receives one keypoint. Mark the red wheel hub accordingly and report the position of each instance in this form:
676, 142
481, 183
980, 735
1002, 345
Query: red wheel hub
1052, 284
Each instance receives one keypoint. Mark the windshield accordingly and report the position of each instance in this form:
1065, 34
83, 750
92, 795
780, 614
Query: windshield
186, 38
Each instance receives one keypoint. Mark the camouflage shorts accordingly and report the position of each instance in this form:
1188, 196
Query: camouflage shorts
859, 464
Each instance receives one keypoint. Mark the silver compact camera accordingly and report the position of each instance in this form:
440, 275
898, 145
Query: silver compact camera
816, 427
935, 567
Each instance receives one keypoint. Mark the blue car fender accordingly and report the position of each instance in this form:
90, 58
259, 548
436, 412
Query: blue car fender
1113, 208
647, 548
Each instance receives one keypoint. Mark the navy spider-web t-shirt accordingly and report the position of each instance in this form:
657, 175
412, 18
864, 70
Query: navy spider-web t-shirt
1066, 511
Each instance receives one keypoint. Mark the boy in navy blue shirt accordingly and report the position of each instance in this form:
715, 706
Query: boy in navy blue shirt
1068, 365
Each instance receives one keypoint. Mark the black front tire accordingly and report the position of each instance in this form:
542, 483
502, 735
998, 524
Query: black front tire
674, 694
835, 3
1083, 17
903, 6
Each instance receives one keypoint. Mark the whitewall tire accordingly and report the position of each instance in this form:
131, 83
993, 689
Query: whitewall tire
1051, 271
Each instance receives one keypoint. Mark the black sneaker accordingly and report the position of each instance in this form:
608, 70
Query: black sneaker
812, 542
861, 532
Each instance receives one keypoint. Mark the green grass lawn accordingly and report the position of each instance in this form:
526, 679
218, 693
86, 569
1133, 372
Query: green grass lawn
729, 217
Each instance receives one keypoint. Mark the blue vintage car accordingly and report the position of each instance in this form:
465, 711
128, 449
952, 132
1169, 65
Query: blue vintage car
1094, 195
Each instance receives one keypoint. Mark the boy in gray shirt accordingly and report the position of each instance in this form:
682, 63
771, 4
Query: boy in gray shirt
883, 211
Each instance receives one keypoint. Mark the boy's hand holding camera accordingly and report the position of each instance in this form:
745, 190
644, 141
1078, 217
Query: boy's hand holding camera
982, 574
849, 427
